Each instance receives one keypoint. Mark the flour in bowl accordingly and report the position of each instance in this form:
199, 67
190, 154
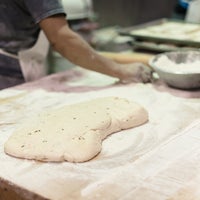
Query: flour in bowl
165, 64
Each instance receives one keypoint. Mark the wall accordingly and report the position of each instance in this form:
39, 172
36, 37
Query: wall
131, 12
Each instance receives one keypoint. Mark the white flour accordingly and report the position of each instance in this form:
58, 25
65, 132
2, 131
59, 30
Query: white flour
168, 65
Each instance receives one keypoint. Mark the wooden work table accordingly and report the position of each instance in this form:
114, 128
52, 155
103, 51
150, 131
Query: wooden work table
156, 161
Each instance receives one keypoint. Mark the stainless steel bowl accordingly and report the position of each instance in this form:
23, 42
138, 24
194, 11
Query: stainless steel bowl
177, 79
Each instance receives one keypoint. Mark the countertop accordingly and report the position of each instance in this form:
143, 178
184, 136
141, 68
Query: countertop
156, 161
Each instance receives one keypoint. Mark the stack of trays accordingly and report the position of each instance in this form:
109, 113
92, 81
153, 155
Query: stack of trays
164, 35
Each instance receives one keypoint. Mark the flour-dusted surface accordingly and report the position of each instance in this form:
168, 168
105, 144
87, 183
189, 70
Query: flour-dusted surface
159, 160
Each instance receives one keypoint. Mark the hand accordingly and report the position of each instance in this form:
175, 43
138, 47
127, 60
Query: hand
135, 72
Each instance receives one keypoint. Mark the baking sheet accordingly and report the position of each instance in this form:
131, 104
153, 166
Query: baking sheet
173, 33
131, 162
159, 47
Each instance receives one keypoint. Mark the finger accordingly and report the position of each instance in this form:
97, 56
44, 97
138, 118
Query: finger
147, 75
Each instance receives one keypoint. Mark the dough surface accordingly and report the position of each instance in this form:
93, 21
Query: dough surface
75, 132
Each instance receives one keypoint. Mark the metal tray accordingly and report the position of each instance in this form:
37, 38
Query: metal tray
169, 40
158, 47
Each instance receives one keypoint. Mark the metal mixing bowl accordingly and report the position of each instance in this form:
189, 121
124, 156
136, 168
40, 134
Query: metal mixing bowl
178, 79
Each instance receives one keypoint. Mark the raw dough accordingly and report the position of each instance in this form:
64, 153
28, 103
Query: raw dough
74, 132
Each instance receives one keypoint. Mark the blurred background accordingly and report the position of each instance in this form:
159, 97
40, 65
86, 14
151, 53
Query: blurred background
98, 22
131, 12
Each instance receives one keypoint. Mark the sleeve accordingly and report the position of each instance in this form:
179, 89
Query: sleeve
41, 9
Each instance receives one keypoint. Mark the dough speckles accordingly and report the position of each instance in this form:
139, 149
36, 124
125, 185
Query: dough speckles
37, 131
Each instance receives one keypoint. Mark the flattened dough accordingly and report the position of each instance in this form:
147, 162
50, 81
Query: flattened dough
75, 132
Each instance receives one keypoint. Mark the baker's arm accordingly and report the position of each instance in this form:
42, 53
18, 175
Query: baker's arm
71, 46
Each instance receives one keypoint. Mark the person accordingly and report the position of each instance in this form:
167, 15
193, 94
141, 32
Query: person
20, 24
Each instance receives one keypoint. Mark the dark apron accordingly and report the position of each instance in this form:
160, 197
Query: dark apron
10, 71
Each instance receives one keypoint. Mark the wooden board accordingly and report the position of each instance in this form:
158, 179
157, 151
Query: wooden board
129, 57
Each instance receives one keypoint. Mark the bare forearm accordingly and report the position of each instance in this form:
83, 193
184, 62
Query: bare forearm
80, 53
74, 48
71, 46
